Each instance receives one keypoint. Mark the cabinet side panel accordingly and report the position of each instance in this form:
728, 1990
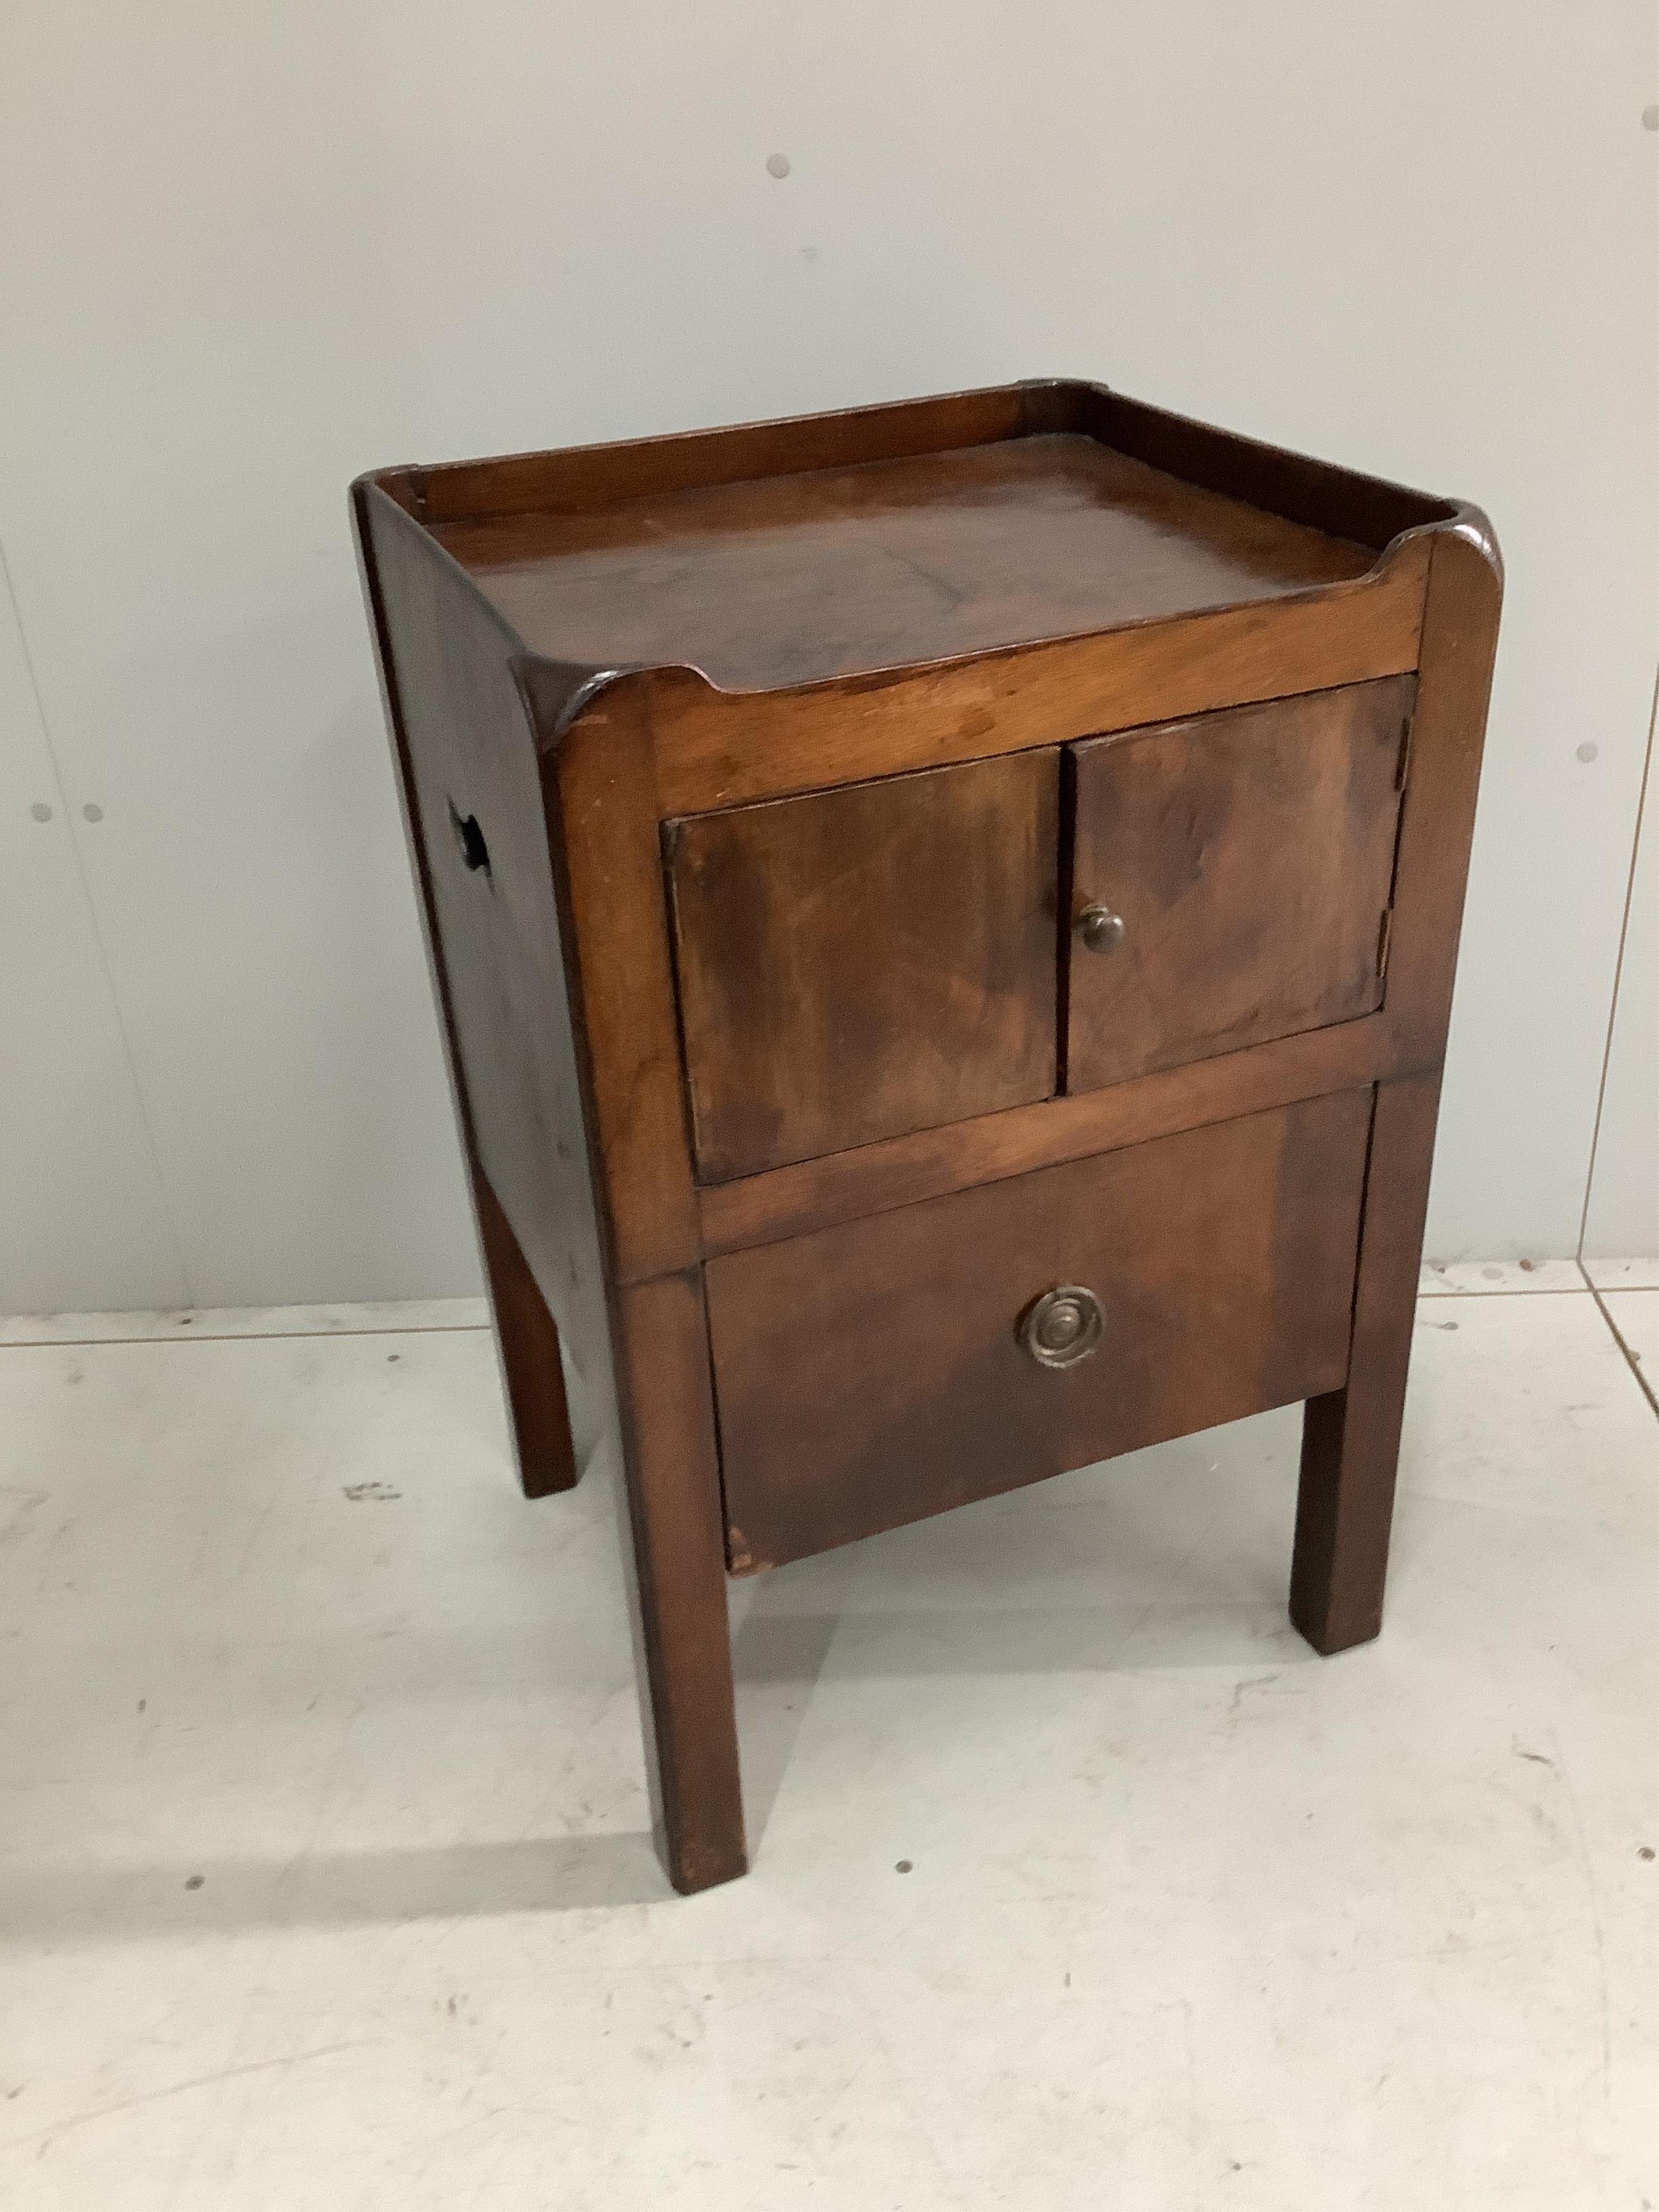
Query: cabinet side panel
478, 834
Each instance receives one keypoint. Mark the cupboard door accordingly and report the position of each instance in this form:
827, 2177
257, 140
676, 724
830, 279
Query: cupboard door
863, 962
1230, 878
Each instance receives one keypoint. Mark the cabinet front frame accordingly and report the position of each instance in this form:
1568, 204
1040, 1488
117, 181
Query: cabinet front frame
651, 745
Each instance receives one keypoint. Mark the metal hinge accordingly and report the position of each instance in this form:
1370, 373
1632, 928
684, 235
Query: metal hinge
1384, 933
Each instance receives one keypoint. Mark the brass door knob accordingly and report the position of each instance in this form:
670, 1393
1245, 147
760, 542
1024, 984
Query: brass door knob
1100, 930
1063, 1326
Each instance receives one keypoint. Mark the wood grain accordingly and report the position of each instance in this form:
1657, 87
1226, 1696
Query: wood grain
1351, 1441
1351, 1436
1367, 509
815, 1193
677, 1580
463, 742
1320, 495
863, 962
602, 807
1436, 827
978, 579
527, 1340
575, 479
871, 1373
1249, 855
721, 749
554, 1073
883, 564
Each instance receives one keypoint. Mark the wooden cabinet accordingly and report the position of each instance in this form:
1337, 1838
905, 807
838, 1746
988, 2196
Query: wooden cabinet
945, 918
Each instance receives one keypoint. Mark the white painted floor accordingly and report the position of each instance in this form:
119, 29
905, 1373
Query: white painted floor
1079, 1882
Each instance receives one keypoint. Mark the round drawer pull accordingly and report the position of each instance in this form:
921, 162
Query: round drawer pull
1063, 1326
1100, 930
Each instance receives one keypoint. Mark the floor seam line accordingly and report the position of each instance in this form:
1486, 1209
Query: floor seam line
245, 1336
1631, 1360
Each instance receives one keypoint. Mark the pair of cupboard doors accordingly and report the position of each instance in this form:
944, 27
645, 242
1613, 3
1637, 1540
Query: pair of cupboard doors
857, 964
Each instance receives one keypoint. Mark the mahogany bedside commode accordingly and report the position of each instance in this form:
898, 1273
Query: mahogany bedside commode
945, 918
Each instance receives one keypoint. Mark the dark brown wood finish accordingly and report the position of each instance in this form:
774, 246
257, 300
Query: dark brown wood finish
574, 480
1350, 1438
1222, 1258
466, 753
1247, 857
603, 828
885, 564
1341, 503
603, 810
527, 1337
811, 1195
526, 847
866, 961
681, 1631
1368, 510
977, 579
722, 749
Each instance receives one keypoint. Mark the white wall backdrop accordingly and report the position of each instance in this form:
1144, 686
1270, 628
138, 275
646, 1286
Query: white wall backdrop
250, 251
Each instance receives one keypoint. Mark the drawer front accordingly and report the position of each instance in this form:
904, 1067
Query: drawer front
1229, 879
883, 1369
864, 962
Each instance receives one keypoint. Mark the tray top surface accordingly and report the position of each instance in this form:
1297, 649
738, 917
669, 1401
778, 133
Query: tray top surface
786, 580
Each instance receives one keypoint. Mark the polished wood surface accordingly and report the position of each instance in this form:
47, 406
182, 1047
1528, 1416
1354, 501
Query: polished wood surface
872, 1373
466, 752
864, 962
968, 584
718, 749
575, 479
527, 1337
545, 912
1351, 1445
1341, 503
1369, 510
1351, 1436
677, 1586
789, 1202
1436, 827
885, 564
602, 826
1249, 856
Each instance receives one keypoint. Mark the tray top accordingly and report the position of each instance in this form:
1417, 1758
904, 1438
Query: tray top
786, 580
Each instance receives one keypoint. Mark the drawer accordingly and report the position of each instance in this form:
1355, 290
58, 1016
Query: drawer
866, 961
883, 1369
1229, 879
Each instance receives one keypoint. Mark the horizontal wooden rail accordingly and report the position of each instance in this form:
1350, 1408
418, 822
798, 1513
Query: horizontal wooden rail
791, 1201
726, 748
